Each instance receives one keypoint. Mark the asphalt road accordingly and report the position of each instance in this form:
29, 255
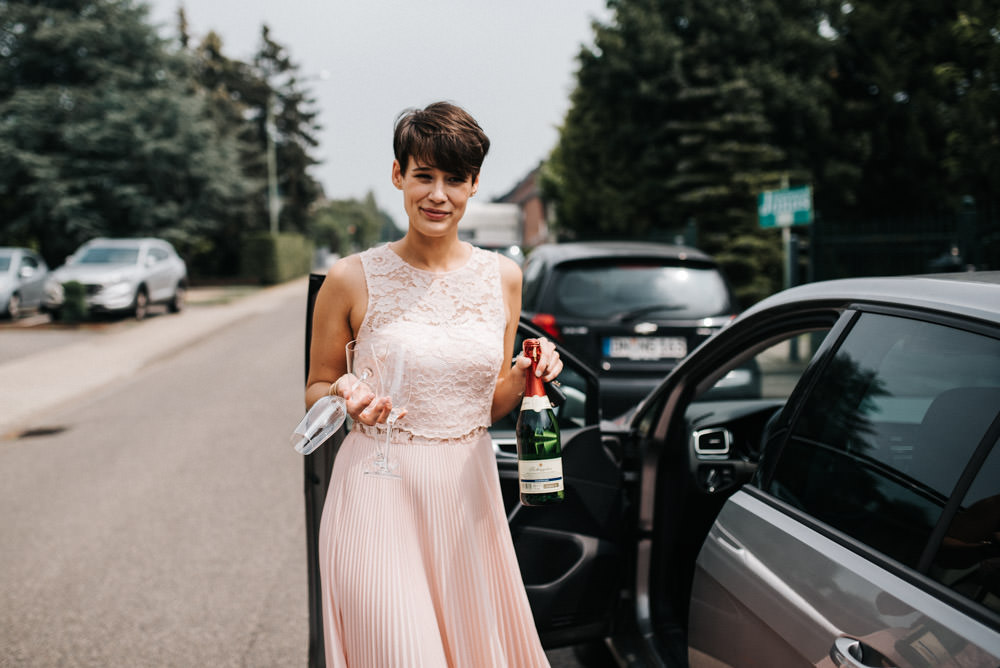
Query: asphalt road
159, 521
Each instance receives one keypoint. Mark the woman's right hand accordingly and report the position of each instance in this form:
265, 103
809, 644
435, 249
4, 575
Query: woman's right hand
362, 404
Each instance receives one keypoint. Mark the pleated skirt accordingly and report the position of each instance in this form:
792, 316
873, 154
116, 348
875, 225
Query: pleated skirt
421, 570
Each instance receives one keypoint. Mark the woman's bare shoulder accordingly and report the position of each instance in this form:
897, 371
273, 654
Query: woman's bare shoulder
346, 272
345, 277
510, 272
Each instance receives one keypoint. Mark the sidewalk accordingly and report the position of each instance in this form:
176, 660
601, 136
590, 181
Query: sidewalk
34, 384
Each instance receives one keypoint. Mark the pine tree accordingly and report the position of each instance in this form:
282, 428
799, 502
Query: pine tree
294, 128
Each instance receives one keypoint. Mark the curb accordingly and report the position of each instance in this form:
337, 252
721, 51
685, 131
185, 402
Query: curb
37, 383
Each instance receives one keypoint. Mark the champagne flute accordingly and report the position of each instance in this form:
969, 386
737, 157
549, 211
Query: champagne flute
363, 374
392, 383
320, 422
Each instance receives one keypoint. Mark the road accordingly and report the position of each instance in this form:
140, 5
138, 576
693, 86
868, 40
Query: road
159, 520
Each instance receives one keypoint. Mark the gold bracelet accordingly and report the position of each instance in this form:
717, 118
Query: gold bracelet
334, 388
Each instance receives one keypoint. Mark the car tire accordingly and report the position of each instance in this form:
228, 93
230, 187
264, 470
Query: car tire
140, 307
13, 310
176, 304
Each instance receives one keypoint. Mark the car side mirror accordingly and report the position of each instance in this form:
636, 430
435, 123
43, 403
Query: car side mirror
26, 272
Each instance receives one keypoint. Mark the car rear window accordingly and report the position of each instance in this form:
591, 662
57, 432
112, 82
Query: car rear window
106, 255
629, 290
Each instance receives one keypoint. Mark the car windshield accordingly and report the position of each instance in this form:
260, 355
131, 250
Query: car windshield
625, 291
109, 255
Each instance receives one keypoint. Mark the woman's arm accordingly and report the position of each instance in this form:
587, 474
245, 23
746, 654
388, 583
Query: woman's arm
338, 312
510, 381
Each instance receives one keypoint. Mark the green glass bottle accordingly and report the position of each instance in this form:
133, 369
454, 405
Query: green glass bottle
539, 451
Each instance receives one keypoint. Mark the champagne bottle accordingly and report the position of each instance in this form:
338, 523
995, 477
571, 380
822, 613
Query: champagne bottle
539, 452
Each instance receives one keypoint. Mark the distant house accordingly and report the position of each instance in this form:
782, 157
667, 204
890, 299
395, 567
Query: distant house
534, 220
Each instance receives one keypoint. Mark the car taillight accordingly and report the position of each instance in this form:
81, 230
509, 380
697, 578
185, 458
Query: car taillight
547, 323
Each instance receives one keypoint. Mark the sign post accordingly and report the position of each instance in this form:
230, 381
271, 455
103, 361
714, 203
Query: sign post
784, 208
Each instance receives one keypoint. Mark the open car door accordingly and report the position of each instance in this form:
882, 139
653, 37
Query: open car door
572, 555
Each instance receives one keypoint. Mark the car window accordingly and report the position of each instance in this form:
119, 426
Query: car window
158, 254
108, 255
968, 560
634, 289
28, 261
889, 429
769, 372
4, 262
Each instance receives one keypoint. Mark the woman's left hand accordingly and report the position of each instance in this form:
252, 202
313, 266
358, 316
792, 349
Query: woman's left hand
549, 363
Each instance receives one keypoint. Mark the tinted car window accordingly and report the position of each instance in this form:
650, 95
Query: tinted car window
106, 255
636, 289
4, 262
968, 560
889, 429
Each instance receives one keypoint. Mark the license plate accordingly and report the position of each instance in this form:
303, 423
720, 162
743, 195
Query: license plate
645, 347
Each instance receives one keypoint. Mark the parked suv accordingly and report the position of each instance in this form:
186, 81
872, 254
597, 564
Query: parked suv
631, 310
122, 276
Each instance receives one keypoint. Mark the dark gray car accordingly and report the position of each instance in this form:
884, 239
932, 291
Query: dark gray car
848, 515
631, 310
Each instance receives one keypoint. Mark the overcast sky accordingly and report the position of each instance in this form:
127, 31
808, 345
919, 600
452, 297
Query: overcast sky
510, 63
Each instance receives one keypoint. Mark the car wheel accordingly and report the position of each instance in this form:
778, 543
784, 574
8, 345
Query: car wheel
180, 297
141, 306
14, 306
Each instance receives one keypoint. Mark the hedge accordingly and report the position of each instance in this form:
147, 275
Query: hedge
272, 259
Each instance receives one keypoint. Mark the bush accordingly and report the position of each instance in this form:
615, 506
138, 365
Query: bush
74, 308
271, 259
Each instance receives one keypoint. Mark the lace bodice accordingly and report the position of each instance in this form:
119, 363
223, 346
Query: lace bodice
451, 326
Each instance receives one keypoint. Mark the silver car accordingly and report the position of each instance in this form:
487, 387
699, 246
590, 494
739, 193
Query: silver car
844, 511
122, 276
22, 279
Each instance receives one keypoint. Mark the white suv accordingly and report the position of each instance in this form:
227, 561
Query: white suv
122, 276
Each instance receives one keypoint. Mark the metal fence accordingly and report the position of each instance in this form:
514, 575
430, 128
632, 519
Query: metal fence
884, 247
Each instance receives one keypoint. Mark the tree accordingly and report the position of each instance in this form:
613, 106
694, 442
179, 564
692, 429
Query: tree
294, 128
919, 92
101, 132
346, 226
679, 115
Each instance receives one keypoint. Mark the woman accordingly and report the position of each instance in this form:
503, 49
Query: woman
420, 570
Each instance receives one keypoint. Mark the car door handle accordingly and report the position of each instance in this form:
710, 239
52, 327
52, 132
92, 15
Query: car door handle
852, 653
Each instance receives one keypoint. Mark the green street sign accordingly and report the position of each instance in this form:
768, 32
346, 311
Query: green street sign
783, 208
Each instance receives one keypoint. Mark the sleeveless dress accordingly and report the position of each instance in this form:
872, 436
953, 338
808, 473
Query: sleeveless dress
421, 571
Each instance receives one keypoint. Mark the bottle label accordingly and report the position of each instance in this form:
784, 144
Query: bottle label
540, 476
537, 404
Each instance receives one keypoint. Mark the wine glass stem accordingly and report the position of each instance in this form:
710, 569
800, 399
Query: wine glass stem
388, 438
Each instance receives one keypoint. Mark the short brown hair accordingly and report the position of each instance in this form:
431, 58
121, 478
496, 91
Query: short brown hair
442, 134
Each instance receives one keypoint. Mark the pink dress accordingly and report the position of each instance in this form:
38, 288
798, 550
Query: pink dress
421, 571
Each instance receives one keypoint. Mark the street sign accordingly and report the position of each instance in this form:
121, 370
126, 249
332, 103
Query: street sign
783, 208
